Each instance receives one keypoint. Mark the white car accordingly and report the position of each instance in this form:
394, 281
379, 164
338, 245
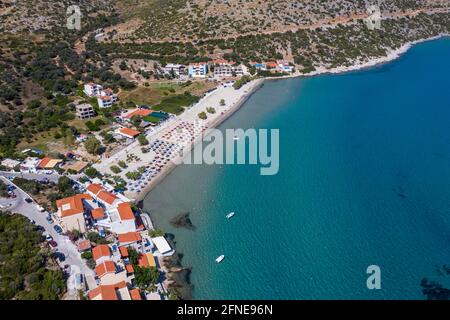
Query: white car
48, 237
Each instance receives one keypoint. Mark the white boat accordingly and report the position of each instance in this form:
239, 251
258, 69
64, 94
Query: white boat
220, 258
235, 138
230, 215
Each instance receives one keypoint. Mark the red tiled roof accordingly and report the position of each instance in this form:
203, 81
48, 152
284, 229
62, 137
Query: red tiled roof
102, 250
94, 188
129, 132
129, 268
84, 245
146, 260
106, 267
197, 63
72, 205
98, 213
219, 61
129, 237
107, 292
135, 294
107, 197
123, 252
125, 211
44, 162
139, 112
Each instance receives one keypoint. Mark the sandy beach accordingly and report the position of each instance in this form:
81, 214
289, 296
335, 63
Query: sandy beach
168, 133
178, 134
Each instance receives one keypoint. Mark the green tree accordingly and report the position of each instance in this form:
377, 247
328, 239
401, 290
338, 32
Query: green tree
142, 140
91, 172
146, 278
92, 145
133, 255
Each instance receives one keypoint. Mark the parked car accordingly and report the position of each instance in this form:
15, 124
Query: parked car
32, 221
11, 188
58, 229
28, 200
53, 243
48, 237
79, 281
60, 256
49, 219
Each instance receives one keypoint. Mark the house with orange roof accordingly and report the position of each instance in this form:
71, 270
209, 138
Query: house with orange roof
71, 212
48, 163
115, 214
101, 253
122, 218
105, 198
271, 65
83, 245
135, 294
147, 260
98, 213
92, 89
109, 273
128, 238
116, 291
128, 133
123, 252
105, 101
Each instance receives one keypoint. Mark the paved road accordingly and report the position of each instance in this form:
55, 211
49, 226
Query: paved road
38, 176
30, 210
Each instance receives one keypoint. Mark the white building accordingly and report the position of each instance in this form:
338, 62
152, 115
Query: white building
176, 69
198, 70
118, 217
105, 101
10, 163
162, 246
30, 164
92, 89
227, 71
284, 66
85, 111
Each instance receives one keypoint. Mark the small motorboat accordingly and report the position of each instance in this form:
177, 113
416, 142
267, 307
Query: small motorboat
235, 138
220, 258
231, 214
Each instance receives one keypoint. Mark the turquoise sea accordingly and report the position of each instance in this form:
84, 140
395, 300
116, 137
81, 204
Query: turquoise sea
364, 179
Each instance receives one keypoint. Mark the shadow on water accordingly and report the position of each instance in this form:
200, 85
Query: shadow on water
182, 220
434, 290
400, 192
178, 275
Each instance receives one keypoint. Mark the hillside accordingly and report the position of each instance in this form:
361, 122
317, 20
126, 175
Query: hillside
43, 64
187, 20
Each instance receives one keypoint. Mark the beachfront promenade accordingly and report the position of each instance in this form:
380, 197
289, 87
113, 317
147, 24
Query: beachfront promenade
177, 134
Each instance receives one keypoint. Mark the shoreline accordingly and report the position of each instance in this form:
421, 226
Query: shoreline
254, 86
392, 55
257, 83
